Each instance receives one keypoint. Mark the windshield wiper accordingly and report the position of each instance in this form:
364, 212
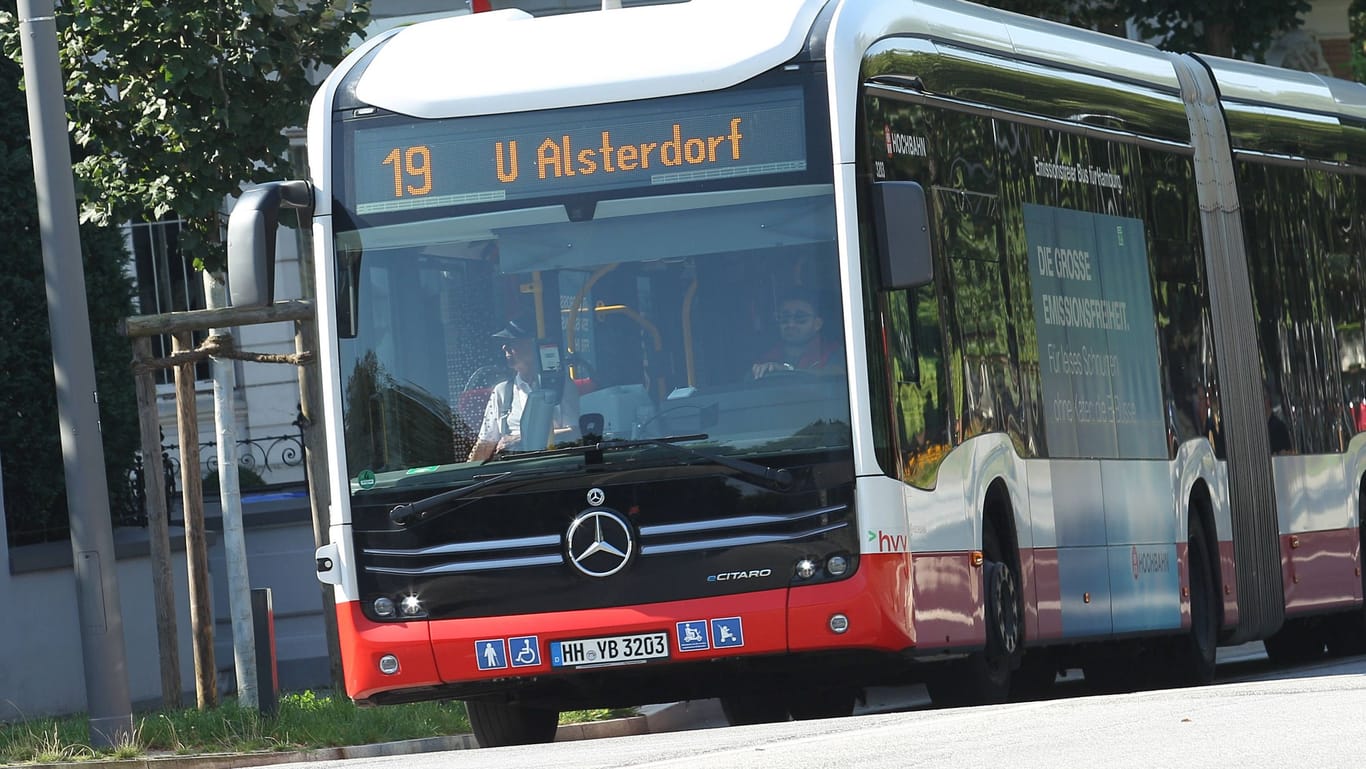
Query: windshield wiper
422, 509
778, 477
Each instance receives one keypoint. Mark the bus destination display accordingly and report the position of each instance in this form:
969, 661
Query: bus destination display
422, 164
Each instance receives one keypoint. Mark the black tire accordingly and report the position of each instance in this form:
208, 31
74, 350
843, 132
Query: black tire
1036, 678
1295, 643
1347, 635
983, 678
753, 708
496, 723
1195, 653
823, 703
1111, 675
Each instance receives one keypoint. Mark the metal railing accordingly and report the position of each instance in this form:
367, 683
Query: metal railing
259, 456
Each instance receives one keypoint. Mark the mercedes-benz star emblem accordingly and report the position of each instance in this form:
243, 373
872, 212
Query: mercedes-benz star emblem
600, 543
596, 497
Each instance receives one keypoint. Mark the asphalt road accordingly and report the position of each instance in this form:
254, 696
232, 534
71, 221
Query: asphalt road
1255, 717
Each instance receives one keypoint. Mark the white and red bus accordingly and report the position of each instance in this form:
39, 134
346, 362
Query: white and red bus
816, 344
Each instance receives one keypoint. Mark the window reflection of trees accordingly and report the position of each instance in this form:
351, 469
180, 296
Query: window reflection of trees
1336, 202
1181, 303
1302, 278
391, 424
988, 395
918, 372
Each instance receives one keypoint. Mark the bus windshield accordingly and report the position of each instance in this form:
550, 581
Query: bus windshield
711, 314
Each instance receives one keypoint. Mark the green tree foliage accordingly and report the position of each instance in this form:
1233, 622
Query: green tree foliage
1231, 28
1095, 14
30, 444
1356, 19
177, 103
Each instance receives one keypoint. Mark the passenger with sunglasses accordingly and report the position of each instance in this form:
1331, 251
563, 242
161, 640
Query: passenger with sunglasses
800, 347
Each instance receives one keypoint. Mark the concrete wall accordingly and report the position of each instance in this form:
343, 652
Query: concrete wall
41, 661
280, 556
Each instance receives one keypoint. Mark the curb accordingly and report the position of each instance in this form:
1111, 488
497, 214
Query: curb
682, 716
670, 717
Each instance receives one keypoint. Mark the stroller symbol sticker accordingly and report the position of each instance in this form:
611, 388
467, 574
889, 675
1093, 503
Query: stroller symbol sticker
727, 632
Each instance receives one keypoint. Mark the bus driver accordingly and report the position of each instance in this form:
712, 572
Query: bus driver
502, 426
801, 346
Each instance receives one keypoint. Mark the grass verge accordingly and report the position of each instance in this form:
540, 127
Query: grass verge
306, 720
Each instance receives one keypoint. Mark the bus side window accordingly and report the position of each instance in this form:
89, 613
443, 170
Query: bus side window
919, 381
987, 391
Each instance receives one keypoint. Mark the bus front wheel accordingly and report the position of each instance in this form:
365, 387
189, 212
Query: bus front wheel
984, 677
758, 707
496, 723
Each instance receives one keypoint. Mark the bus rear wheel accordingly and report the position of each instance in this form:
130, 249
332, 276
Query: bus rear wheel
1347, 634
1298, 641
1195, 653
496, 723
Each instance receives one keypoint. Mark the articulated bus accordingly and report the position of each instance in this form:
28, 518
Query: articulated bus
1060, 335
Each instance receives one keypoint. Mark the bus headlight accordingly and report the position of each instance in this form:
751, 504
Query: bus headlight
384, 607
806, 568
388, 664
411, 606
837, 565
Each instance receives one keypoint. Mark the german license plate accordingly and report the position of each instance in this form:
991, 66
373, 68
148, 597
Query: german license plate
609, 650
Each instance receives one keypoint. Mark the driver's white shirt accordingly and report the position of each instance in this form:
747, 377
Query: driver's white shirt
566, 412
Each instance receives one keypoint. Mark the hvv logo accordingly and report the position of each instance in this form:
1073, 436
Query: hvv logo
888, 543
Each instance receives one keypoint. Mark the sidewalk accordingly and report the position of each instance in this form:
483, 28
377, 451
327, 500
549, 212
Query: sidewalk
653, 719
671, 717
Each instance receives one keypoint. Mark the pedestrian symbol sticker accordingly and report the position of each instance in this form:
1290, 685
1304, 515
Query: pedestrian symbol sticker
491, 654
727, 633
525, 650
692, 636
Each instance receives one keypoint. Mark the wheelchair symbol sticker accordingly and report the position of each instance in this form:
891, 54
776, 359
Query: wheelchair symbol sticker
525, 651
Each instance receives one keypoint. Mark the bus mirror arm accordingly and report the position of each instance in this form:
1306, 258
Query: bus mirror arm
252, 227
901, 220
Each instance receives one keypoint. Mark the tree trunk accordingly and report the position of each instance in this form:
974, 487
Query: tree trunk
1219, 38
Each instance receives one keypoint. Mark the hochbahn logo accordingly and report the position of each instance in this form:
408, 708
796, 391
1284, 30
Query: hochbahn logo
905, 144
1149, 563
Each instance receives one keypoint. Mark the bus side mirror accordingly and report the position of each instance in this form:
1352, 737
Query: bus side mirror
252, 227
901, 221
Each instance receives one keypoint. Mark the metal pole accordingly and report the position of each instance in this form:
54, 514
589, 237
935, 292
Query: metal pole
230, 498
92, 535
